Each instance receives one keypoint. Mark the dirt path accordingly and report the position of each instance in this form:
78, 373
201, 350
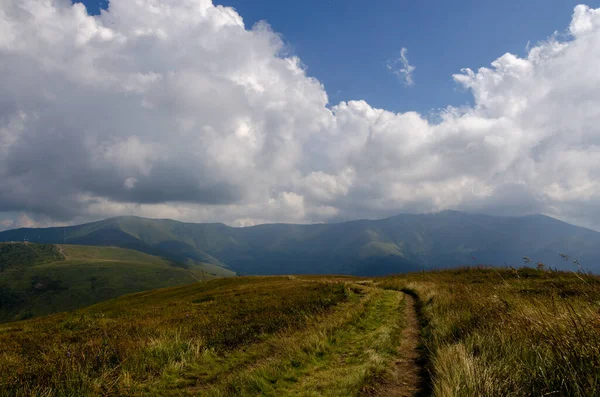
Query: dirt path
408, 375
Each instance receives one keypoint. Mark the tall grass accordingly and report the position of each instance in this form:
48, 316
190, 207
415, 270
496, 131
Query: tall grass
510, 332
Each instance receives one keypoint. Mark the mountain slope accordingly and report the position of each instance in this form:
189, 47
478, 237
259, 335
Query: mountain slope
365, 247
38, 279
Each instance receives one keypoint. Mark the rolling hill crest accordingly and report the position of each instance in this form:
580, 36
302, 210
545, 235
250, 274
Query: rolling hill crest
364, 247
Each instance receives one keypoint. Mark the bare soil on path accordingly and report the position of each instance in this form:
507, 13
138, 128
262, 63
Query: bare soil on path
408, 377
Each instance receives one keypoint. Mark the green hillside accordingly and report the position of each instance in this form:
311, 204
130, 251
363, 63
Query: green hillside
466, 332
366, 247
163, 238
37, 279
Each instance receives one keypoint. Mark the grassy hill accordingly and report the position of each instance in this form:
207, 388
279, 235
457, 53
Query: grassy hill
466, 332
37, 279
366, 247
153, 237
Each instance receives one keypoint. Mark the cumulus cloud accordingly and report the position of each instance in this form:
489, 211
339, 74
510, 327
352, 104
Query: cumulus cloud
402, 68
177, 109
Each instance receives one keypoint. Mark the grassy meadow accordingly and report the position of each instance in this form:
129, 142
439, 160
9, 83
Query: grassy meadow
480, 332
241, 336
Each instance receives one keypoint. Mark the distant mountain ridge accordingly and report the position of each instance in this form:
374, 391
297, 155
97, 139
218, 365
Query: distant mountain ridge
363, 247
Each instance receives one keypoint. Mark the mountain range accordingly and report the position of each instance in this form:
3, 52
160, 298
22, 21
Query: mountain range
363, 247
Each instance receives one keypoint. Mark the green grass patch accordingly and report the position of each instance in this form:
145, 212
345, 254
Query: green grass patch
338, 357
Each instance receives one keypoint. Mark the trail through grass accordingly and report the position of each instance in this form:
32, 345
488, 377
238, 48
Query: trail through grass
509, 332
245, 336
274, 336
409, 376
340, 357
484, 332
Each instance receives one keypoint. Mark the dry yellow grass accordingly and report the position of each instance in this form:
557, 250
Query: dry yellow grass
507, 332
483, 332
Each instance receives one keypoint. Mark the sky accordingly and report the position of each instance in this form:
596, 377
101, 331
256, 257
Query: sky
246, 112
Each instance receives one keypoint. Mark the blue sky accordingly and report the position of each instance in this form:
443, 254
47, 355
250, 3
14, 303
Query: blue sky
347, 45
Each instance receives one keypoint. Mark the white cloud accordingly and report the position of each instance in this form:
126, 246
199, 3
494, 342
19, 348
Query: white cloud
177, 109
404, 70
